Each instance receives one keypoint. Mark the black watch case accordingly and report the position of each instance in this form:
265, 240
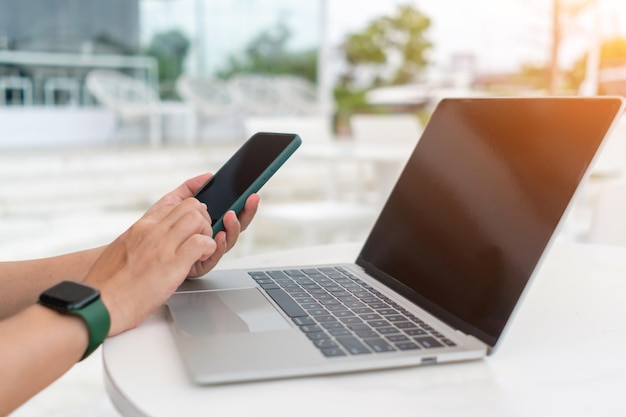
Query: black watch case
69, 295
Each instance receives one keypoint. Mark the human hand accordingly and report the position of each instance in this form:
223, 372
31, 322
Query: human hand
233, 224
173, 240
141, 269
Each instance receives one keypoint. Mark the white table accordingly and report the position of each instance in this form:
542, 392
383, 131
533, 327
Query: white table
564, 355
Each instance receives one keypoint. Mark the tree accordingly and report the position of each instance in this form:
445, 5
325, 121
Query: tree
391, 48
170, 49
268, 53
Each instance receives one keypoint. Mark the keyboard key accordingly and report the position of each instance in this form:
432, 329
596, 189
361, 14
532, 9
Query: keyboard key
311, 306
415, 332
359, 326
353, 345
428, 342
363, 310
350, 320
294, 291
387, 330
325, 343
332, 325
302, 321
343, 313
318, 312
336, 307
333, 352
317, 335
406, 325
290, 307
299, 294
325, 319
366, 334
307, 328
397, 338
294, 272
379, 345
407, 346
277, 274
339, 332
354, 304
368, 317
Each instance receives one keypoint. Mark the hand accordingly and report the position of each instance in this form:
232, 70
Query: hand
140, 270
233, 224
226, 239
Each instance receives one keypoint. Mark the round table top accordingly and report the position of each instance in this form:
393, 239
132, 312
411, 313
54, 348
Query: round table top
562, 355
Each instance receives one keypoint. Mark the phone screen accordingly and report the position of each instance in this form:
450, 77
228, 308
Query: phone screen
252, 164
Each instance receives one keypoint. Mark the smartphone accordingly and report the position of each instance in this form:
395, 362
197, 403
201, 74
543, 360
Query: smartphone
245, 173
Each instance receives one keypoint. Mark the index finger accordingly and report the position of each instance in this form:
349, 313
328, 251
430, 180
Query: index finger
182, 192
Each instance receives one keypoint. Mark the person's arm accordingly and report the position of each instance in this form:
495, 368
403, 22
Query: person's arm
21, 282
135, 275
37, 346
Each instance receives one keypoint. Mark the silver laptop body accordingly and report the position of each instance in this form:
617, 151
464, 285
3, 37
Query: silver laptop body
453, 250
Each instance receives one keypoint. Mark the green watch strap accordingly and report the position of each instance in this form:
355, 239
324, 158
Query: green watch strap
98, 321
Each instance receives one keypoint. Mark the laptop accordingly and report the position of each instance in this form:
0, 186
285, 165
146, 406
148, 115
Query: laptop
438, 278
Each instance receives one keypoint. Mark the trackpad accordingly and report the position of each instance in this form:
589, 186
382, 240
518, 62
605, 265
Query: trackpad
207, 313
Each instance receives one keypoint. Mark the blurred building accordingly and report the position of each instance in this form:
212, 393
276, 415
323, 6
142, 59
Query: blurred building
46, 46
93, 26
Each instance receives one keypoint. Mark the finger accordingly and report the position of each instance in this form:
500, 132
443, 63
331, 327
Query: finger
211, 261
176, 229
232, 227
183, 208
188, 189
196, 248
249, 211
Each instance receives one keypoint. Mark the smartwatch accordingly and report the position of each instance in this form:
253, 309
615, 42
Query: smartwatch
84, 301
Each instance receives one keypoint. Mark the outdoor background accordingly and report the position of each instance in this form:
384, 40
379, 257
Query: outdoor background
107, 105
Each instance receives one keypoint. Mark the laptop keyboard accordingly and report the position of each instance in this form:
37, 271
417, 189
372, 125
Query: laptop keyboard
342, 315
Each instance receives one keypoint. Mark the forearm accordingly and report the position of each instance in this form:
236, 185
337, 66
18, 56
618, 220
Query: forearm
37, 346
21, 282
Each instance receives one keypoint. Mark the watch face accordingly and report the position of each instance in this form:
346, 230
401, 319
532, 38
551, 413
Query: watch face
69, 295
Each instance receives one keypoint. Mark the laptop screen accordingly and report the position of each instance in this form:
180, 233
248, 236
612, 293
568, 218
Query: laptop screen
478, 202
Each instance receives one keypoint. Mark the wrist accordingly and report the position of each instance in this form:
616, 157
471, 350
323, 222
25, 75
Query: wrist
71, 328
82, 301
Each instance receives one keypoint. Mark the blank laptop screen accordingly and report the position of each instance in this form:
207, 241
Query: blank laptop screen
478, 202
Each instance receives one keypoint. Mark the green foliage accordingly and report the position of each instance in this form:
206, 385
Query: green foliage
170, 49
394, 45
397, 41
268, 53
